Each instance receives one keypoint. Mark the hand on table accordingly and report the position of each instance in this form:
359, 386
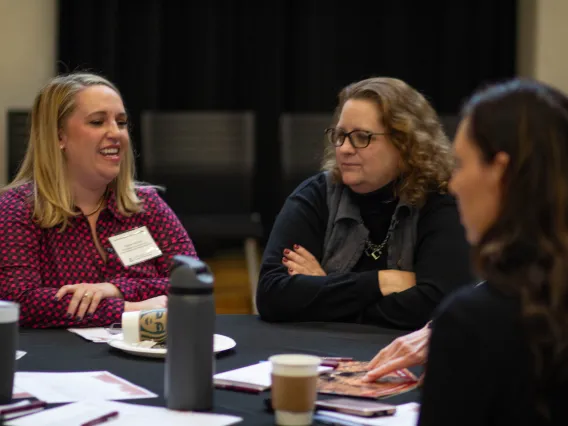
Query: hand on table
301, 261
406, 351
86, 297
146, 305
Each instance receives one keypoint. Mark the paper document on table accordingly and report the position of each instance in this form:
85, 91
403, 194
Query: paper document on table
256, 376
128, 415
18, 393
20, 354
346, 380
71, 387
95, 334
406, 415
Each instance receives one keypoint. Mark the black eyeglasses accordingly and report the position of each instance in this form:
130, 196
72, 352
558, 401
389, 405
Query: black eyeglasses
357, 138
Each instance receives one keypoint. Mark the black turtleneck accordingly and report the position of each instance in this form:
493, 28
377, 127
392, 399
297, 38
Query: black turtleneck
377, 209
441, 262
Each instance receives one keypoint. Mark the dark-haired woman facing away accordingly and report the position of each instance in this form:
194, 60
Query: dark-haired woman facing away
499, 351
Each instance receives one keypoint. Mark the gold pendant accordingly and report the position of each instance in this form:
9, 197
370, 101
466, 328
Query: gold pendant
375, 254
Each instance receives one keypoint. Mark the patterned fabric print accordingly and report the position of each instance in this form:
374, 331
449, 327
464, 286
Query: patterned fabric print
36, 262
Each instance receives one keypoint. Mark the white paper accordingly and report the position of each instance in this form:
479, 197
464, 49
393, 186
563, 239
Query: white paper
129, 415
96, 334
20, 354
135, 246
258, 375
71, 387
18, 393
406, 415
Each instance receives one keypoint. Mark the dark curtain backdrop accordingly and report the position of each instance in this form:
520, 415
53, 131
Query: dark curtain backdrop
283, 56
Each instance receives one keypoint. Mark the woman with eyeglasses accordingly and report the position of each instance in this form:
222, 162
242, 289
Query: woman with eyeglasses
374, 238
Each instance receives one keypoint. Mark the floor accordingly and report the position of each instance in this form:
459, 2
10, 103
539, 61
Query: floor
232, 291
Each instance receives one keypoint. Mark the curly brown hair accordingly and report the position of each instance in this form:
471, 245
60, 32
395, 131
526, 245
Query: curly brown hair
525, 252
414, 129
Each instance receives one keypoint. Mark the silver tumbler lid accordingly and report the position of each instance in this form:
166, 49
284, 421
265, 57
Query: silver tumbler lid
190, 276
9, 312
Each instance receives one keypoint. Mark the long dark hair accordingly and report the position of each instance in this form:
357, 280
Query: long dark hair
525, 252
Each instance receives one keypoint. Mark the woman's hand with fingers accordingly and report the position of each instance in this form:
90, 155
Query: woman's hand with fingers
406, 351
86, 297
301, 261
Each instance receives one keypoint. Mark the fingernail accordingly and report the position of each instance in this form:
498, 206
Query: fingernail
284, 259
290, 269
286, 251
79, 318
296, 246
68, 315
365, 378
56, 298
89, 315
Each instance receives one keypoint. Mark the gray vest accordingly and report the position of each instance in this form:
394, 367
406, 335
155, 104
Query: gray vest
346, 234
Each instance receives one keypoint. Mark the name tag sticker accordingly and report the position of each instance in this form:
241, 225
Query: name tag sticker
135, 246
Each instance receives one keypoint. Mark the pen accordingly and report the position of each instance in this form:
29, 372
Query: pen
238, 388
19, 409
102, 419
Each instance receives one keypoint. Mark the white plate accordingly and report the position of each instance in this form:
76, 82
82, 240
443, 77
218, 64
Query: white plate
220, 343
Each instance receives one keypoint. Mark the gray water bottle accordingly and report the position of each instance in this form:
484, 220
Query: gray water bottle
191, 326
9, 315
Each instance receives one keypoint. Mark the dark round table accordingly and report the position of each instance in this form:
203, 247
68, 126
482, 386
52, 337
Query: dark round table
60, 350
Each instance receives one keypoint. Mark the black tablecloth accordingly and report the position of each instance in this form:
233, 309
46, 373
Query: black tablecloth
60, 350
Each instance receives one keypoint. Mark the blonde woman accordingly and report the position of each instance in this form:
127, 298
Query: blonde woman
74, 193
375, 238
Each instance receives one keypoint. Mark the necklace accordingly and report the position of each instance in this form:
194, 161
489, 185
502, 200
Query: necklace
376, 250
102, 200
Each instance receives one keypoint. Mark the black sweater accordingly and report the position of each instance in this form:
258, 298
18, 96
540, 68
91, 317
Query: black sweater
480, 368
441, 263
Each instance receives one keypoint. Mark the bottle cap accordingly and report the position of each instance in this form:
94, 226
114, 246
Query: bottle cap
9, 312
189, 275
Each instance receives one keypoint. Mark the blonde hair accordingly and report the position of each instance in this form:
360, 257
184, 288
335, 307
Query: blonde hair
414, 129
44, 162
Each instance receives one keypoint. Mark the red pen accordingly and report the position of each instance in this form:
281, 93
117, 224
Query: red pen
19, 409
238, 388
102, 419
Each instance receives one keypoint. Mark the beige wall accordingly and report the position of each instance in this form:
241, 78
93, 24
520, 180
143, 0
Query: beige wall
543, 41
27, 57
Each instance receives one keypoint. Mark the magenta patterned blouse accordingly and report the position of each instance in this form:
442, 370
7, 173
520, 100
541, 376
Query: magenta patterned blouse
36, 262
